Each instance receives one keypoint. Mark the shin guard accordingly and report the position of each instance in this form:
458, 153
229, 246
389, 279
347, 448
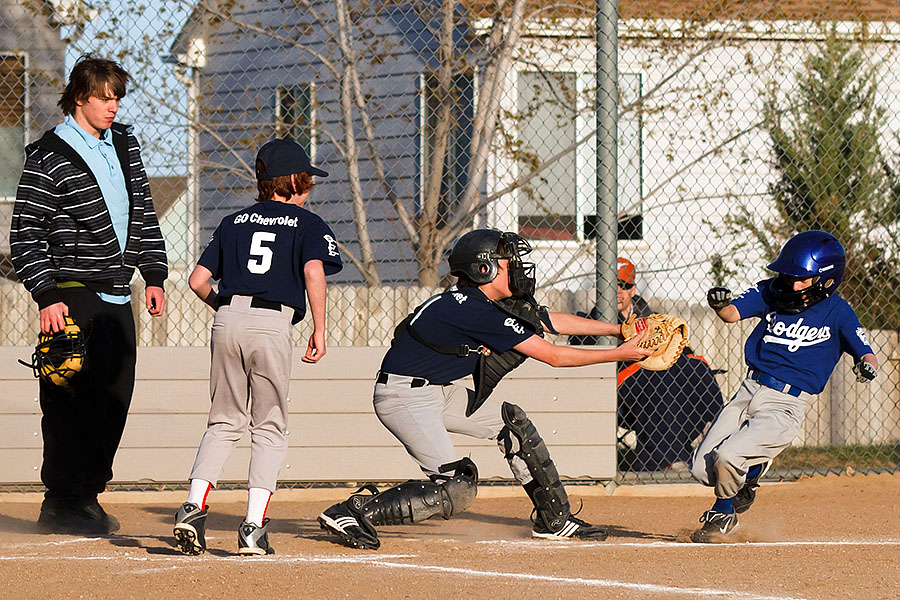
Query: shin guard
520, 440
416, 501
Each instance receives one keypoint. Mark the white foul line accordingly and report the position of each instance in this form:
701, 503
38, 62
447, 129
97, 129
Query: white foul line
386, 561
602, 583
565, 545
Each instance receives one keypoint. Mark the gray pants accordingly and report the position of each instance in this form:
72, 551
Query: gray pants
422, 418
753, 428
249, 375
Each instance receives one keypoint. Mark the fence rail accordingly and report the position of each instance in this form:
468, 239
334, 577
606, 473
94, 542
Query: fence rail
844, 414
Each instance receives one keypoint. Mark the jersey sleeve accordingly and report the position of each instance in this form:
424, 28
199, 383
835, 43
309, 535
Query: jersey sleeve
854, 340
750, 302
212, 256
319, 243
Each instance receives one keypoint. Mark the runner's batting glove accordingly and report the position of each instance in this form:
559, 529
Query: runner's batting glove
718, 298
864, 371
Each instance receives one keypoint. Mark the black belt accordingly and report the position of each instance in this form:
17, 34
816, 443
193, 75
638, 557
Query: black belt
254, 302
415, 382
775, 384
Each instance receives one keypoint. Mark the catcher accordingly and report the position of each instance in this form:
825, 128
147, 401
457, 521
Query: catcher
803, 329
485, 326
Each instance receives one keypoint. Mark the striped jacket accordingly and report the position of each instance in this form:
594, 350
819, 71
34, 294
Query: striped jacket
61, 229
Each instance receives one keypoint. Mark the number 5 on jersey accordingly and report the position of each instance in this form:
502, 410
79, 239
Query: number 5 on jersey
261, 256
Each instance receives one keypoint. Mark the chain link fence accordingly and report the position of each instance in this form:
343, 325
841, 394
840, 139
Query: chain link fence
691, 138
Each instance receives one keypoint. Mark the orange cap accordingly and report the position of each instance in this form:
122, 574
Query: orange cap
626, 270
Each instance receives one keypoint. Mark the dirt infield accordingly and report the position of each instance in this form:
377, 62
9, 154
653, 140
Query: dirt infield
825, 537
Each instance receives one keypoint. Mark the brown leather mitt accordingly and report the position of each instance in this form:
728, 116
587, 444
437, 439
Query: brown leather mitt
666, 336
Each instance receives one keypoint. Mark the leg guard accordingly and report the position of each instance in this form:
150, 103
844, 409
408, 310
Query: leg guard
520, 441
416, 501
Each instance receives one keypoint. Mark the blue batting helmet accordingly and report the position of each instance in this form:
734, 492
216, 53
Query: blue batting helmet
814, 254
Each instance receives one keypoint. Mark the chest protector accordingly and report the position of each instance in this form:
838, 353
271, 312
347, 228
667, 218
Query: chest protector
491, 366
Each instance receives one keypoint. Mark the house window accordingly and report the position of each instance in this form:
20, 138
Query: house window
452, 108
547, 113
294, 114
12, 123
560, 202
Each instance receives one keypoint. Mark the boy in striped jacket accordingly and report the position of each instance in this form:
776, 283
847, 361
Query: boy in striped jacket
82, 221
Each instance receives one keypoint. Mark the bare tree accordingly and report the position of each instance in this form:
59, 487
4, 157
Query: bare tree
479, 43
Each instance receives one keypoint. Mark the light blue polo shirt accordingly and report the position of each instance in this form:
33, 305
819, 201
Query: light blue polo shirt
100, 156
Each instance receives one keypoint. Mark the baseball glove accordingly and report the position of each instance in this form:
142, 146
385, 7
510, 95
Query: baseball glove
666, 336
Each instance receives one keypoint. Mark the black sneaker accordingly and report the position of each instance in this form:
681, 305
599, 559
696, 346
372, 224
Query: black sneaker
95, 511
190, 528
573, 529
70, 520
346, 521
747, 494
253, 540
716, 527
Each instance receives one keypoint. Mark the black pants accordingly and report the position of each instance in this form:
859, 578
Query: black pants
82, 426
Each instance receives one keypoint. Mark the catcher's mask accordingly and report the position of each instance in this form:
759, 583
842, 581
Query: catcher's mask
815, 254
59, 356
475, 256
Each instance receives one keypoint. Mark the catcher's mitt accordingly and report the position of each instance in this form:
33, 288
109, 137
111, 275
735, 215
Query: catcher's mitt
58, 356
666, 336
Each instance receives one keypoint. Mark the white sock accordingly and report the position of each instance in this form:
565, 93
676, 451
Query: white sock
257, 503
199, 490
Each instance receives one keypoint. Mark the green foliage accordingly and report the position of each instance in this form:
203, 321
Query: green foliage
719, 270
826, 148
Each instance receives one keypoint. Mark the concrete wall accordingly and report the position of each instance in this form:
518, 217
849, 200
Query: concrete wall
333, 432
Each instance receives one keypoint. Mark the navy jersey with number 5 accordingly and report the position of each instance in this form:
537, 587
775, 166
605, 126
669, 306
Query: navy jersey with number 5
800, 349
260, 251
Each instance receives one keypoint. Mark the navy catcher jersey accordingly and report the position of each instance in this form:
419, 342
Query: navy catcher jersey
260, 251
800, 349
462, 316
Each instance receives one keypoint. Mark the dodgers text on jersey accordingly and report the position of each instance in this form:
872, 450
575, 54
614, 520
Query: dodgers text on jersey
794, 335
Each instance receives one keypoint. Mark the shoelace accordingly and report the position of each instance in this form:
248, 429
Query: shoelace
570, 518
368, 488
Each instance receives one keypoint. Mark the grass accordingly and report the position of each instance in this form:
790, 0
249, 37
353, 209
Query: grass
818, 459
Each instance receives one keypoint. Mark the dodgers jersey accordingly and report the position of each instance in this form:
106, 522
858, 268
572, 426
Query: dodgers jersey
800, 349
260, 251
460, 316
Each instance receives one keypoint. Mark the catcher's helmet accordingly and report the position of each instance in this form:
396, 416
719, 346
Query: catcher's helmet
59, 356
815, 254
476, 253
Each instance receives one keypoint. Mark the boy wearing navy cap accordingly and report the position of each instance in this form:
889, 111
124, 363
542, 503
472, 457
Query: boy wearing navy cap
265, 259
804, 328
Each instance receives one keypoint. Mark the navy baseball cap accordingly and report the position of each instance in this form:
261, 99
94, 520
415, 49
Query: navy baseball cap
283, 157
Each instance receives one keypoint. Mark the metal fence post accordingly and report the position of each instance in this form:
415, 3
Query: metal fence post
607, 183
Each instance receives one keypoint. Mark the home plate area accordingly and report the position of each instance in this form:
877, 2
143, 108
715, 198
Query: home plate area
814, 538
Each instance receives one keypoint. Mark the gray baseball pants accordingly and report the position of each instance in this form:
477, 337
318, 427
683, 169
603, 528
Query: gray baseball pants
753, 428
422, 418
249, 375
